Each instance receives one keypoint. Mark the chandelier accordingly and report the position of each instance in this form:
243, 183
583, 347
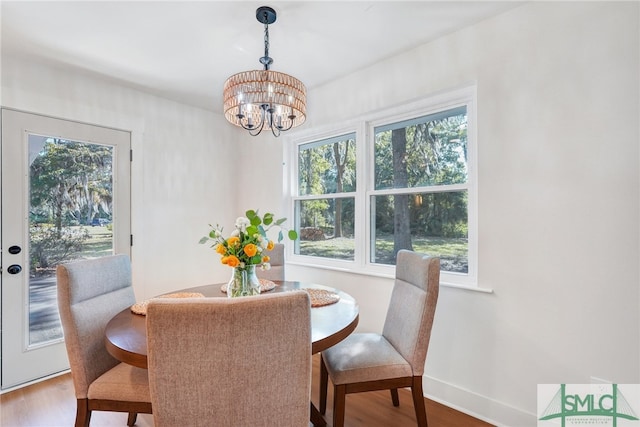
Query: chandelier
263, 99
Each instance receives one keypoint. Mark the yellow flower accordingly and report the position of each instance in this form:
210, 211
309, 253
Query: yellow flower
233, 241
266, 258
250, 249
233, 261
224, 259
221, 249
270, 245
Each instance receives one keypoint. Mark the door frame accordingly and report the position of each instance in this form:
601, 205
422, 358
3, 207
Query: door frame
72, 130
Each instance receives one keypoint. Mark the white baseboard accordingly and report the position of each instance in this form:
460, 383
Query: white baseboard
476, 405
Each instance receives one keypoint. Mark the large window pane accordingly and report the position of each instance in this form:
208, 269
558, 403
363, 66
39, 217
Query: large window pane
426, 151
70, 217
430, 223
327, 166
326, 228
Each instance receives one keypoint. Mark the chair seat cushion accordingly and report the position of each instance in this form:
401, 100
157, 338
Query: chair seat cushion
364, 357
122, 382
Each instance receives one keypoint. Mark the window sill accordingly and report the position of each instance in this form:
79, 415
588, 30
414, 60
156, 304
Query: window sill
350, 270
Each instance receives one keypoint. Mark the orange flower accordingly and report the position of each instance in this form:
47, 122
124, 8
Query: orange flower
233, 261
250, 249
248, 244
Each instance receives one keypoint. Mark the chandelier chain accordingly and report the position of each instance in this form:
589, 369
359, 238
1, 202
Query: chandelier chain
266, 46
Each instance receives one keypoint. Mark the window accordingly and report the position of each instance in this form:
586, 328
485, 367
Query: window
419, 197
402, 179
324, 206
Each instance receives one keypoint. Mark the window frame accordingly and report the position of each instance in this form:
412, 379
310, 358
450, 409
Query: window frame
293, 196
364, 129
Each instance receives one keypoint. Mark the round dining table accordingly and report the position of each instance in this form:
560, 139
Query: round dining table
126, 332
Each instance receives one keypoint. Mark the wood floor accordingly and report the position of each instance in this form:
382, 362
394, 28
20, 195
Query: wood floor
52, 404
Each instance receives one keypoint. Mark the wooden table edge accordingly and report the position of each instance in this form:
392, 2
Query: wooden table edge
124, 356
334, 339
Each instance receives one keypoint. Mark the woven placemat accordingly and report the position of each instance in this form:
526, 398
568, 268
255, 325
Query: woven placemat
141, 307
321, 297
265, 286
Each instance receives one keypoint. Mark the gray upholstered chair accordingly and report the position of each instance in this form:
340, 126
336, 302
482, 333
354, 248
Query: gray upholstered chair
277, 264
368, 361
90, 293
230, 362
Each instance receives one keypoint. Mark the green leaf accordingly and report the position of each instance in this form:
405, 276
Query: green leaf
293, 234
281, 221
212, 234
280, 236
255, 220
268, 218
256, 259
251, 213
205, 239
252, 229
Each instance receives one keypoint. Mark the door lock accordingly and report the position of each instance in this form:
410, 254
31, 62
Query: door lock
14, 269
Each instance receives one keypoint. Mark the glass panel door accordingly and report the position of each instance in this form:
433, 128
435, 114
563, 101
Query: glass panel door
70, 205
65, 196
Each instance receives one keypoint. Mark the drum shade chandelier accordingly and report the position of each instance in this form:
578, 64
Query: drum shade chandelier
263, 99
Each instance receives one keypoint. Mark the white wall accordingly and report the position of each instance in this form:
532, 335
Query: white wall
179, 172
559, 193
558, 136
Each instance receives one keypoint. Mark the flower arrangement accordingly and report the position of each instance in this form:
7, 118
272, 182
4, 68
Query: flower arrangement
248, 241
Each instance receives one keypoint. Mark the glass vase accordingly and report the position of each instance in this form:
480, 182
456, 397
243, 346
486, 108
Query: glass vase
244, 282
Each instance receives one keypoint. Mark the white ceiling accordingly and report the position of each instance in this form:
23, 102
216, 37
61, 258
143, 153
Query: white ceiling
185, 50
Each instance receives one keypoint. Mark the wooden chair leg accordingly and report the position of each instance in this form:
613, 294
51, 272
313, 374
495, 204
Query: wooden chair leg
324, 379
418, 401
83, 414
133, 416
339, 397
394, 397
317, 420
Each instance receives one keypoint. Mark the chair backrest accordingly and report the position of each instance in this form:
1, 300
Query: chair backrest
413, 304
276, 272
230, 362
90, 293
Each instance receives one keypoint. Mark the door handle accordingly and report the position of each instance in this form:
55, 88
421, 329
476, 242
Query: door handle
14, 269
13, 250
